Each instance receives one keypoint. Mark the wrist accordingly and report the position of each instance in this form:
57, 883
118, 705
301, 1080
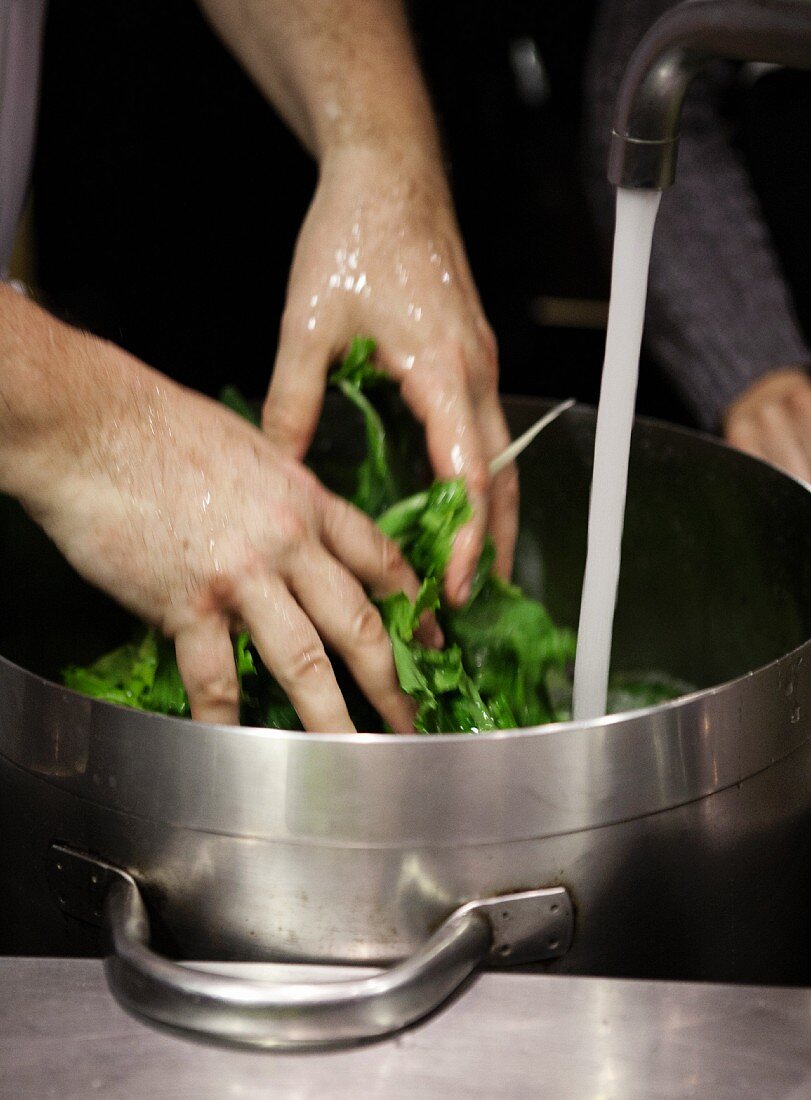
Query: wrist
410, 169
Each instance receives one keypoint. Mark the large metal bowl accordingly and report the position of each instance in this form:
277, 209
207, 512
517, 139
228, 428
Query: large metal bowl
680, 834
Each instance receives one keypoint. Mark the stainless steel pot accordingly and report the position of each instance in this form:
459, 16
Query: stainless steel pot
669, 843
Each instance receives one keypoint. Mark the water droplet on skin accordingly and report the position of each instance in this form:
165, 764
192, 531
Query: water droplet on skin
408, 362
206, 500
314, 301
311, 323
360, 282
457, 459
446, 277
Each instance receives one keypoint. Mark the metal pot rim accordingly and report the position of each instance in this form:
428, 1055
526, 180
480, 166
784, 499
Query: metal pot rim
548, 728
380, 790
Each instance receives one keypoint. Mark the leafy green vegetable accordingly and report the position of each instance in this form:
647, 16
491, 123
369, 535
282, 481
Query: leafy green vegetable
502, 644
504, 664
424, 526
510, 644
376, 485
144, 674
448, 700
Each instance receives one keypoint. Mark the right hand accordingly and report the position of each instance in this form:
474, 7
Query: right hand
198, 524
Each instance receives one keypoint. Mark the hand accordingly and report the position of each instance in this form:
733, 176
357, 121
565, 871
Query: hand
772, 420
200, 525
380, 255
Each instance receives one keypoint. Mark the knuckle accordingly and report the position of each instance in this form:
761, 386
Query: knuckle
367, 626
477, 478
392, 560
307, 662
294, 536
210, 682
246, 565
445, 359
219, 690
490, 343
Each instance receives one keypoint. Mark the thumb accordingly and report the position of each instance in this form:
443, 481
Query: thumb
295, 396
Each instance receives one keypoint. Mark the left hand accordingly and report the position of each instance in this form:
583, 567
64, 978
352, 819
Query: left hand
772, 420
380, 255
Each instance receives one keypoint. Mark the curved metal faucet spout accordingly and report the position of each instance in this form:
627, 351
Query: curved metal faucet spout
645, 138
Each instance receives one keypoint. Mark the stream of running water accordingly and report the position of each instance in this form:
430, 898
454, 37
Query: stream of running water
636, 215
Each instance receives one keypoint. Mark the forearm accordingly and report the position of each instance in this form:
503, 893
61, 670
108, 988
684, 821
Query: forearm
342, 73
58, 394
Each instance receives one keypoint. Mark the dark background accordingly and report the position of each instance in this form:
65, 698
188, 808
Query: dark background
168, 195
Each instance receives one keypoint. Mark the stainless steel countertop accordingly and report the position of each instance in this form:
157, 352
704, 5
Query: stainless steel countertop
508, 1035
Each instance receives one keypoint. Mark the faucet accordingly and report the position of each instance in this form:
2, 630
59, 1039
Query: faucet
645, 137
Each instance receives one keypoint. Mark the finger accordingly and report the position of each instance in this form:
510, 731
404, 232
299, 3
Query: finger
290, 647
800, 407
356, 541
503, 496
771, 437
351, 624
205, 659
296, 395
359, 543
801, 466
438, 394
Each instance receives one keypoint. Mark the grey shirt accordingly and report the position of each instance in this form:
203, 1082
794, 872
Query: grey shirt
21, 23
719, 312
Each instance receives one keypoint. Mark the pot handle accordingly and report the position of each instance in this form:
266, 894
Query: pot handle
512, 928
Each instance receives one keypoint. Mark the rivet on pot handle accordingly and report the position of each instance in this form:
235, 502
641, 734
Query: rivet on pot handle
513, 928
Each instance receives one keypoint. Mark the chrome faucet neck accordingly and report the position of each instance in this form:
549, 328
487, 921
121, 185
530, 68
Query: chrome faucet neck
645, 138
